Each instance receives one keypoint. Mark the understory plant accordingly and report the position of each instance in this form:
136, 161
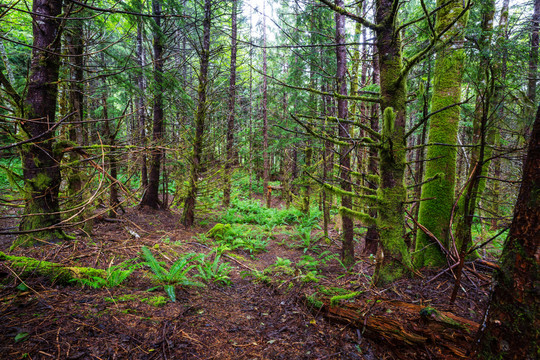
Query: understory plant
115, 275
176, 275
214, 270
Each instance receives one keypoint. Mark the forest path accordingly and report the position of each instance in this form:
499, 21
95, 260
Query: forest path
260, 315
245, 320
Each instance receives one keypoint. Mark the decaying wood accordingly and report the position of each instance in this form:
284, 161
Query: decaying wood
405, 324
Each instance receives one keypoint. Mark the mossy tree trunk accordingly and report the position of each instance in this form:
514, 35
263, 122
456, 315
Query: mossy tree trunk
41, 169
151, 195
188, 215
75, 174
391, 192
372, 234
435, 214
512, 325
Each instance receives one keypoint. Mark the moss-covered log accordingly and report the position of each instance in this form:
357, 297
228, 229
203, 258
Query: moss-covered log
435, 214
404, 324
26, 266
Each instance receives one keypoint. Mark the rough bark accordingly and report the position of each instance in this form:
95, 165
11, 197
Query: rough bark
435, 214
512, 325
533, 55
418, 326
372, 234
40, 162
151, 195
347, 248
266, 161
188, 215
141, 109
391, 192
231, 115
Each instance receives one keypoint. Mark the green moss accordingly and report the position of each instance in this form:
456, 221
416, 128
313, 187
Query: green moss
54, 271
335, 300
364, 218
435, 214
157, 301
313, 301
219, 231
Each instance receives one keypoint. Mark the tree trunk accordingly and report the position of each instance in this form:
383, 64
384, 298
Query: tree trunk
435, 214
151, 195
76, 174
392, 193
266, 164
141, 109
40, 162
512, 323
372, 234
533, 56
188, 216
111, 158
347, 248
231, 116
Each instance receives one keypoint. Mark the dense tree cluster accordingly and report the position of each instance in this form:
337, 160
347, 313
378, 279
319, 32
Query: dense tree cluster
405, 122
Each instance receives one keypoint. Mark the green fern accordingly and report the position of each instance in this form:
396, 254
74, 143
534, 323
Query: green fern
176, 275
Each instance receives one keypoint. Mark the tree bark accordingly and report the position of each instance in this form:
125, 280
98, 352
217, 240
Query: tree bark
435, 214
188, 215
372, 234
347, 248
266, 163
533, 56
40, 162
231, 115
141, 108
392, 193
512, 323
151, 195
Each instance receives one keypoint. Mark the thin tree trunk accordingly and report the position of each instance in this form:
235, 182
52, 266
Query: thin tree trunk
372, 234
111, 159
151, 195
141, 109
483, 133
266, 164
188, 215
231, 116
347, 248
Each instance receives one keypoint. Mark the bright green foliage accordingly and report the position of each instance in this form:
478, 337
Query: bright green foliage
115, 275
251, 212
243, 237
176, 275
214, 270
435, 214
54, 271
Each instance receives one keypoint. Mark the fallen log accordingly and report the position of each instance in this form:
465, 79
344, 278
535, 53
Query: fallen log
55, 272
405, 324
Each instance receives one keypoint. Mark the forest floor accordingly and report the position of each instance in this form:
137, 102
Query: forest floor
261, 314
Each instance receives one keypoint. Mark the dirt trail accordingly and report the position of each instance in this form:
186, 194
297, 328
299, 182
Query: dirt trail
246, 320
